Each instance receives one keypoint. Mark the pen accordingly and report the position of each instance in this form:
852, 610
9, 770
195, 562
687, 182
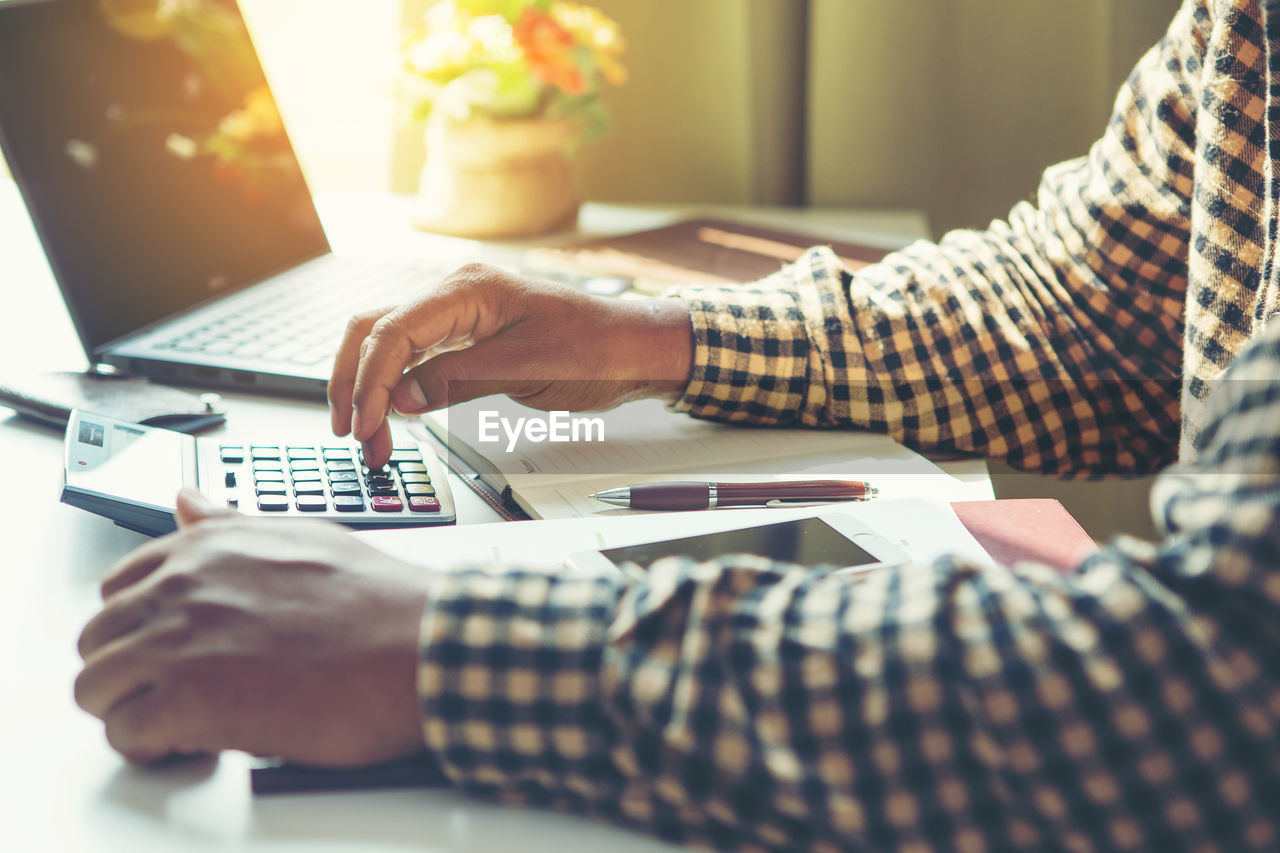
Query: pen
681, 496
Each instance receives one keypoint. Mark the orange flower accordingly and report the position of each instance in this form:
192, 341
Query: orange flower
591, 27
549, 50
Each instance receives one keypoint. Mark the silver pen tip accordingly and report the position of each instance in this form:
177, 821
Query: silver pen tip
620, 496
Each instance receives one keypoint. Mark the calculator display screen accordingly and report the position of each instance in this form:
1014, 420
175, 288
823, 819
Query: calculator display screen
807, 542
134, 464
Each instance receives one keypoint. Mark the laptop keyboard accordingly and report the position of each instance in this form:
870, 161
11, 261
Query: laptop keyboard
299, 320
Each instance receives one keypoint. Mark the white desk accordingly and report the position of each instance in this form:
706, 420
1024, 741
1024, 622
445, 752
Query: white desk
61, 787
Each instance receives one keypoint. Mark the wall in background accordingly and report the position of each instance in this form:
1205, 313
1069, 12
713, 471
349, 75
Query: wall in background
956, 106
714, 108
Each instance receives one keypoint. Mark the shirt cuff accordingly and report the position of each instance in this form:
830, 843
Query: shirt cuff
509, 678
754, 357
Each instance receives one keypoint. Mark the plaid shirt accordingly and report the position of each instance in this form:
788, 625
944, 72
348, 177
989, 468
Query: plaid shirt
1133, 704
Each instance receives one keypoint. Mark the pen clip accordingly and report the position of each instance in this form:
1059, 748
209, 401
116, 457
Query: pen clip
778, 502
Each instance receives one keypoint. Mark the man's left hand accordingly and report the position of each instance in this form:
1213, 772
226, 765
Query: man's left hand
288, 639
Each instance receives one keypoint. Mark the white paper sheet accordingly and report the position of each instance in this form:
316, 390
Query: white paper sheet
924, 529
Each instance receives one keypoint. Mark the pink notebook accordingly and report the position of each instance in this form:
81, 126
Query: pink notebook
1037, 529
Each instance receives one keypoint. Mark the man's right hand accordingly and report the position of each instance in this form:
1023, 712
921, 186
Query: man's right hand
485, 331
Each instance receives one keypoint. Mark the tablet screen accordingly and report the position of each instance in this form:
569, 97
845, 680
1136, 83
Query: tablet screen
806, 541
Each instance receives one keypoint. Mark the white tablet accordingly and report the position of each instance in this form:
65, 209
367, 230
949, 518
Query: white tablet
834, 542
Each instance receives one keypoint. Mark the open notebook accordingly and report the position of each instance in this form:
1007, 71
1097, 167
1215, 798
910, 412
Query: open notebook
644, 442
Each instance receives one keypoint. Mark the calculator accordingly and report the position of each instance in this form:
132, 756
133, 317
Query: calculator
132, 474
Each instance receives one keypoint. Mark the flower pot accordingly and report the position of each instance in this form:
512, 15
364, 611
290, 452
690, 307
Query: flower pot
491, 178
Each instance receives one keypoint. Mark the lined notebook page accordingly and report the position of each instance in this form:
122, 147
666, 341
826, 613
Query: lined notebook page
643, 438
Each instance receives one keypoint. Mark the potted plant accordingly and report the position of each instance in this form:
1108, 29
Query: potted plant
509, 89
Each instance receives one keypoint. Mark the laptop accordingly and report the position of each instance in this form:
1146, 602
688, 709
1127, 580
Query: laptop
170, 203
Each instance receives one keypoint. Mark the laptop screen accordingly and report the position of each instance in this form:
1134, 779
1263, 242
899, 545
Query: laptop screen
151, 156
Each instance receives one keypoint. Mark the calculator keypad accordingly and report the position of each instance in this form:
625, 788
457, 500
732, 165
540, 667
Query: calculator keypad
330, 480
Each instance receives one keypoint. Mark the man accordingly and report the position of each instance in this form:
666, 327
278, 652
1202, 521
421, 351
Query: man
1134, 704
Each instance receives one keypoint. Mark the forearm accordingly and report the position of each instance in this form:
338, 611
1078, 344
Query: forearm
653, 346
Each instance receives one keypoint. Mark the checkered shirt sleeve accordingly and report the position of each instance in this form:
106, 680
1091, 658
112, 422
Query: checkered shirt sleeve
745, 705
1052, 339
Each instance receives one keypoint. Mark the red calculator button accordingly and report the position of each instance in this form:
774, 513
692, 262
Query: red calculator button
424, 504
385, 503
